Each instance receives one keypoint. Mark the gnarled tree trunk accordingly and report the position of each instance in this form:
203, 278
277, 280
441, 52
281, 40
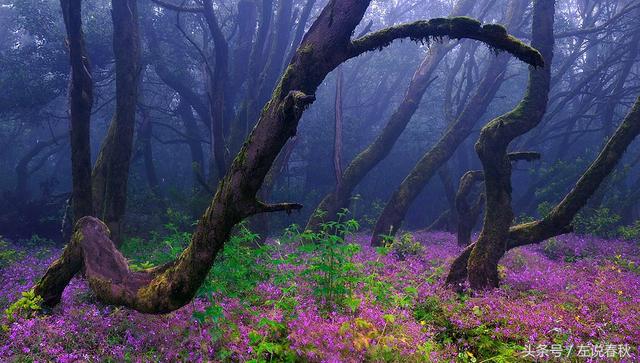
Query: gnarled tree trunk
492, 146
558, 221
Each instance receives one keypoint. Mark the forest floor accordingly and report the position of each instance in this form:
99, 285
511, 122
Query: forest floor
569, 299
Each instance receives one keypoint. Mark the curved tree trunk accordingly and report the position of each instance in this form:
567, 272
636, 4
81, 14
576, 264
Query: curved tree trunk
492, 146
325, 46
380, 148
111, 170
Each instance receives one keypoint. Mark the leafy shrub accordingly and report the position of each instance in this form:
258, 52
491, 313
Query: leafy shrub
331, 265
27, 306
600, 222
239, 267
405, 246
8, 255
272, 345
630, 233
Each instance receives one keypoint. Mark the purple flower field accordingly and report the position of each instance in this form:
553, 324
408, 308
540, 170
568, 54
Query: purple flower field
570, 299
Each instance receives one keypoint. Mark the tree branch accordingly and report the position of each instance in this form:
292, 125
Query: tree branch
276, 207
523, 155
495, 36
179, 8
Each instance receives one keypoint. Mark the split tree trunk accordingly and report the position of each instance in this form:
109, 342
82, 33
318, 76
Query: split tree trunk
325, 46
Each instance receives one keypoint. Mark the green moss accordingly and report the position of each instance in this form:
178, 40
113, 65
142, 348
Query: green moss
465, 23
496, 29
305, 49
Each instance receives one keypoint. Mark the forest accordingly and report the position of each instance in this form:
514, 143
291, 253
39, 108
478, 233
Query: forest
319, 181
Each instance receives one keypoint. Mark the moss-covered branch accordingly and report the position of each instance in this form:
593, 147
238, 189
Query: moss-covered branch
459, 27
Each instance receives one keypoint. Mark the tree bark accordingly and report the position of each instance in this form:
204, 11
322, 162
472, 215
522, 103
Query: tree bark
111, 170
80, 103
325, 46
337, 138
468, 214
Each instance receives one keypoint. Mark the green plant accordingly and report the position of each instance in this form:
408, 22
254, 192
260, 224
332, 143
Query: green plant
404, 246
240, 266
330, 265
271, 345
630, 233
600, 222
27, 306
162, 247
8, 255
480, 341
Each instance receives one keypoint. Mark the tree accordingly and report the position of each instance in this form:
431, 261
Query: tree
380, 148
111, 170
479, 261
326, 45
395, 209
80, 103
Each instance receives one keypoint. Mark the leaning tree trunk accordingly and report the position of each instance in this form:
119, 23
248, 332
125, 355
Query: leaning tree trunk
325, 46
380, 148
80, 103
111, 170
395, 210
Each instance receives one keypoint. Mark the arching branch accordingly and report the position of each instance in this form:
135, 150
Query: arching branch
495, 36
